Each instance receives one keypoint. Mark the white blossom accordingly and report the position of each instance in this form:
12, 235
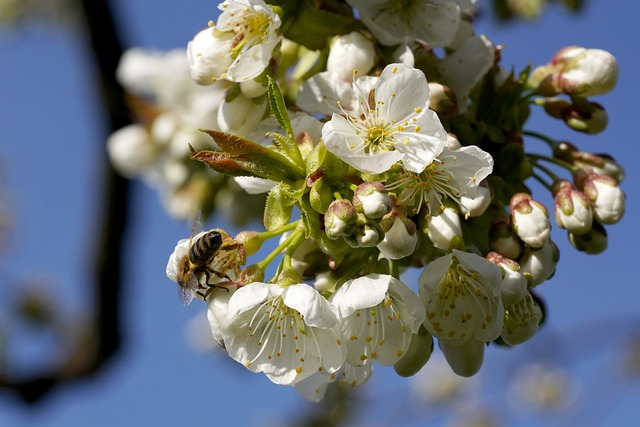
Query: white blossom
239, 47
461, 292
288, 333
452, 174
388, 121
378, 315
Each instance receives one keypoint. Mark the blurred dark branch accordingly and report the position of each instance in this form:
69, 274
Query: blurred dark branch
101, 337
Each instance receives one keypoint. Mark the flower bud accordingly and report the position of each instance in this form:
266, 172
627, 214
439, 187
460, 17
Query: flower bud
252, 241
368, 235
479, 203
444, 230
587, 117
593, 242
339, 219
250, 274
465, 359
417, 355
400, 239
253, 88
530, 220
600, 164
585, 72
606, 197
503, 240
241, 115
325, 282
521, 320
131, 150
572, 208
513, 286
443, 99
539, 264
351, 54
371, 199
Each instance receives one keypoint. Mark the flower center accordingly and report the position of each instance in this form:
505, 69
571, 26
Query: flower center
426, 188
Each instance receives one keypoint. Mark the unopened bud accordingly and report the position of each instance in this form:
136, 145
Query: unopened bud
530, 220
339, 219
417, 355
443, 99
503, 239
479, 203
587, 117
372, 200
539, 264
241, 115
572, 208
465, 359
513, 286
351, 54
400, 238
585, 72
593, 242
606, 197
444, 230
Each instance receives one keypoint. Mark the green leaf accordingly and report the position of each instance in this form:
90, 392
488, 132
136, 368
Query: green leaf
241, 157
315, 159
279, 111
278, 107
277, 212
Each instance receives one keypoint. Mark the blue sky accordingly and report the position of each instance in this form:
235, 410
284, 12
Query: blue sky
48, 158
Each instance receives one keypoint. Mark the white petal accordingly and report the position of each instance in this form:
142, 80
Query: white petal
317, 311
248, 297
403, 89
254, 185
363, 292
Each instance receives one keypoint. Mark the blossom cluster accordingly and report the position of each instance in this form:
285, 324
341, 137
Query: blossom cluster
397, 135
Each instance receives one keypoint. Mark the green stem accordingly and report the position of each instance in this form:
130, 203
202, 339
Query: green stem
555, 161
550, 142
542, 181
262, 265
266, 235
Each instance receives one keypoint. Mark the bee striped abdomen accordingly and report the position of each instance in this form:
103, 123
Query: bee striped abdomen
204, 249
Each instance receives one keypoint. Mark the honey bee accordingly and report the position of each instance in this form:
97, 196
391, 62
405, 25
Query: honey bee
196, 264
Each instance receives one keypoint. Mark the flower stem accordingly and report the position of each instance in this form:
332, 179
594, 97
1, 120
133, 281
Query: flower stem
550, 142
294, 237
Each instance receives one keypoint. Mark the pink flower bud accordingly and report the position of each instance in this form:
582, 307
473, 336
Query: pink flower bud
372, 200
339, 218
514, 285
585, 72
606, 197
530, 220
572, 208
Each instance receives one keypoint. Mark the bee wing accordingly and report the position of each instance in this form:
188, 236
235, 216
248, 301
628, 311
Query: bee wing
185, 295
188, 288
